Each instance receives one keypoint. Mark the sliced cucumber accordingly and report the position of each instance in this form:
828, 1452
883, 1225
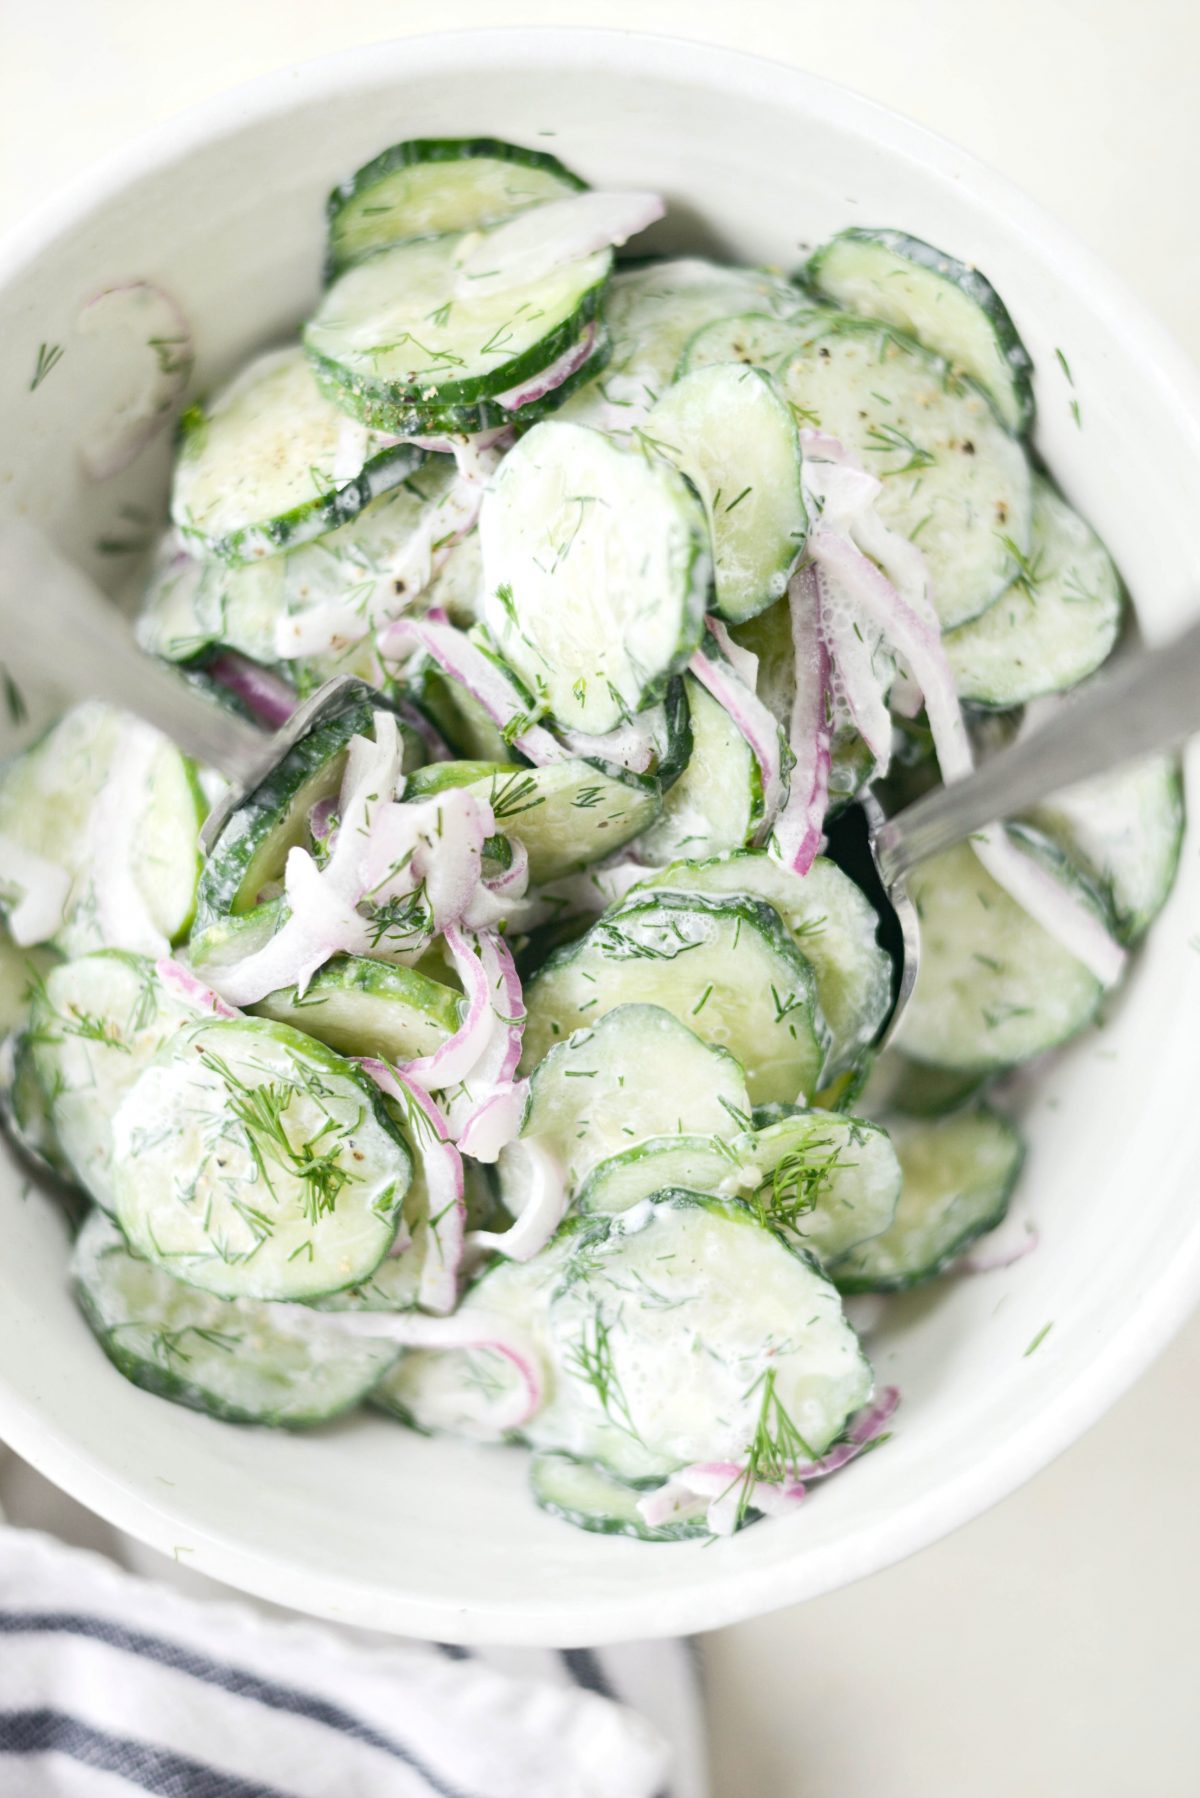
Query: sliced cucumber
1056, 623
454, 712
950, 308
22, 972
116, 807
96, 1024
637, 1072
710, 1165
994, 988
168, 624
432, 185
728, 969
832, 924
360, 1006
568, 814
765, 340
1125, 829
393, 345
351, 568
234, 1359
255, 1163
897, 1084
25, 1109
728, 430
650, 312
717, 801
272, 462
251, 850
594, 1500
959, 1173
827, 1180
457, 587
954, 481
688, 1332
596, 572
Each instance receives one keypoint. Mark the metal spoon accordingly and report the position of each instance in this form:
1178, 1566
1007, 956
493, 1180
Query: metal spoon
57, 627
1149, 702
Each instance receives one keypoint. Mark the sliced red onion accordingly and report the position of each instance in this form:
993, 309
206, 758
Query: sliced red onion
755, 722
1051, 904
265, 694
536, 242
530, 1170
857, 681
320, 819
441, 1167
472, 668
150, 321
743, 661
496, 1066
495, 1123
41, 888
113, 836
634, 745
499, 899
800, 826
552, 376
453, 1061
183, 985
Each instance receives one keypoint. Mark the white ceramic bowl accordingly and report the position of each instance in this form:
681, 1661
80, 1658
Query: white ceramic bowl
365, 1522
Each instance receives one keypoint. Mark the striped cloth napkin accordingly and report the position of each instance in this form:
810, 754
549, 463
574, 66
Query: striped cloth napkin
113, 1684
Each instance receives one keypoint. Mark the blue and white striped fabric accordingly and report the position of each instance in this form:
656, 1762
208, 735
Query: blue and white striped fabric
112, 1684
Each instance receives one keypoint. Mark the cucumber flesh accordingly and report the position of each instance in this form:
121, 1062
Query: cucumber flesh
1054, 626
959, 1173
726, 968
1126, 830
637, 1071
594, 1500
22, 971
712, 1165
272, 463
729, 431
393, 344
947, 306
897, 1084
234, 1359
716, 802
361, 1006
253, 1162
25, 1110
429, 186
568, 814
96, 1024
828, 1181
596, 573
832, 924
168, 624
994, 988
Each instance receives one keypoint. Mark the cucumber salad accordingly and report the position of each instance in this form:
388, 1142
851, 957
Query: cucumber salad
509, 1065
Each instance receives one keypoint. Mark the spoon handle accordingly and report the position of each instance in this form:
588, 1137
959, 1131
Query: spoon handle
1151, 701
56, 626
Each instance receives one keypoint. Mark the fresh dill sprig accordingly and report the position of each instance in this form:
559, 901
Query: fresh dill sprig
591, 1359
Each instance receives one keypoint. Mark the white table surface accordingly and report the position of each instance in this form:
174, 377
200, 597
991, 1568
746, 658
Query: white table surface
1051, 1647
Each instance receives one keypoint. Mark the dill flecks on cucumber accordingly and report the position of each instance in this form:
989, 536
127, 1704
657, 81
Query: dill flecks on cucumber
510, 1062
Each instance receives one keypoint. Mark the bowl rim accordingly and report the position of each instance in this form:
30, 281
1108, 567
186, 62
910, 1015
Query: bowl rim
1161, 1309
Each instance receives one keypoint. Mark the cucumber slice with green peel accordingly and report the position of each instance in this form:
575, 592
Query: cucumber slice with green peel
896, 1084
234, 1359
596, 569
709, 1165
253, 1162
272, 462
226, 940
766, 340
350, 567
455, 713
947, 306
392, 342
96, 1024
168, 624
1054, 626
594, 1500
360, 1006
827, 1180
252, 849
568, 814
429, 186
650, 312
769, 1353
113, 805
993, 988
717, 801
954, 481
25, 1110
726, 968
959, 1173
22, 973
829, 919
729, 431
1125, 830
637, 1072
